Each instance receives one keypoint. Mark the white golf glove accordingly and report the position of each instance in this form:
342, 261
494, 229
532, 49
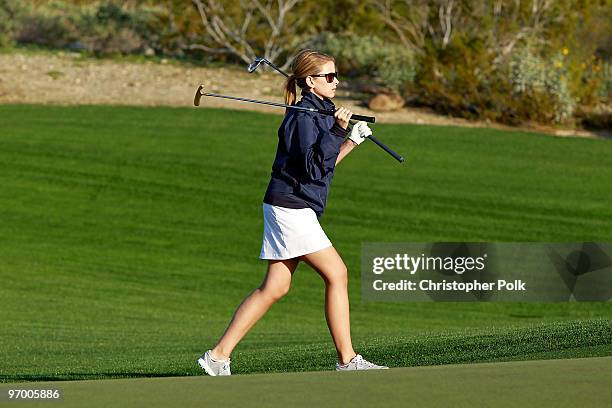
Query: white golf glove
359, 132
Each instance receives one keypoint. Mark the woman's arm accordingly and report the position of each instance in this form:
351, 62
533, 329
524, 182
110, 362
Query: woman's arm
345, 149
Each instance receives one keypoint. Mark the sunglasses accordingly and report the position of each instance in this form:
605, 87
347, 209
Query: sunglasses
329, 77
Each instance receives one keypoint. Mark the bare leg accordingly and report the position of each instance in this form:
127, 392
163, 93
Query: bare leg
330, 266
274, 286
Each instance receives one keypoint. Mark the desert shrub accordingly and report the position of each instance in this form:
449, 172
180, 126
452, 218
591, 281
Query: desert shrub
505, 61
465, 80
460, 80
10, 13
595, 82
369, 56
48, 27
107, 29
534, 78
101, 28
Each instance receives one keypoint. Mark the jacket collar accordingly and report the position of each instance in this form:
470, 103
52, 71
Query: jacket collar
317, 102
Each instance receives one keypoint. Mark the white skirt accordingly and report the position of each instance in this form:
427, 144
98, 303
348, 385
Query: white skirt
291, 232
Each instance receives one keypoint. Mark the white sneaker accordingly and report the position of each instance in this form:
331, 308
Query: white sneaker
359, 363
214, 367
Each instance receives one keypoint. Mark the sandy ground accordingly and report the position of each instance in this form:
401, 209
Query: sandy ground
69, 78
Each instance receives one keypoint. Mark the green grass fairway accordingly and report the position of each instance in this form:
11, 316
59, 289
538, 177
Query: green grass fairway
541, 383
129, 235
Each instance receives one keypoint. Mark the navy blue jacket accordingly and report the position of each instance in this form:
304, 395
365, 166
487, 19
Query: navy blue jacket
308, 146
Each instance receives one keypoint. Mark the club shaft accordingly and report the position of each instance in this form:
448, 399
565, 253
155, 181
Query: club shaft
386, 149
276, 68
282, 105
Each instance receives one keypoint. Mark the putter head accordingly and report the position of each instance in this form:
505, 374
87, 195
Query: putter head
254, 65
198, 95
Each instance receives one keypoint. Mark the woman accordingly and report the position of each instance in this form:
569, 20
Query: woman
310, 146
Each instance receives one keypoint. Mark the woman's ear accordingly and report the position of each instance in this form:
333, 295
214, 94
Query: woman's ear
310, 82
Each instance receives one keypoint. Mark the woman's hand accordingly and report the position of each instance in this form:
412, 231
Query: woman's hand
359, 132
342, 116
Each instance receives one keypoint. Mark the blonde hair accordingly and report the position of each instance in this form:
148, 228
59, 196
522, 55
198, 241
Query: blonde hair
306, 62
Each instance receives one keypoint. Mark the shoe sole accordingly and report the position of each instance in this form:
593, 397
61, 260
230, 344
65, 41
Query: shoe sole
204, 366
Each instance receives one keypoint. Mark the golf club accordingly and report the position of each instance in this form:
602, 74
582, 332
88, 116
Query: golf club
371, 119
255, 64
200, 93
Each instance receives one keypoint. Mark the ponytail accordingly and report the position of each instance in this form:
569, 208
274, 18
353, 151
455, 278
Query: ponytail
290, 90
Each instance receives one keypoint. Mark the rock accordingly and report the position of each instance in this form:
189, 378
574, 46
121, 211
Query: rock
386, 103
149, 52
